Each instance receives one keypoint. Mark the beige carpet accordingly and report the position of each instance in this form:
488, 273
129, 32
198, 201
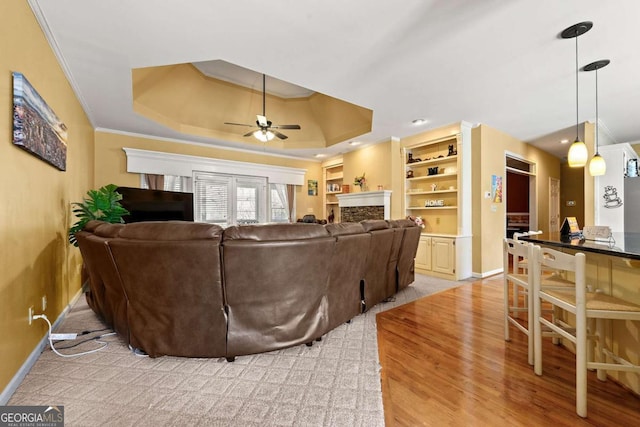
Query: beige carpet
334, 383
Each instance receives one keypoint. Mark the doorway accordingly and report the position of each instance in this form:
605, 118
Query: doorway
520, 195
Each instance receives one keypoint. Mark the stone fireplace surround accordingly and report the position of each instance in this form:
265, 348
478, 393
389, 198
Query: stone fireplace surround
355, 207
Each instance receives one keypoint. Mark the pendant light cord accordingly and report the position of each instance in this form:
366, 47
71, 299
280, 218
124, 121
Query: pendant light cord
597, 125
577, 102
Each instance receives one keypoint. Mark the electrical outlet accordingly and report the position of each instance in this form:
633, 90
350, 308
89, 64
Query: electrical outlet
30, 314
44, 303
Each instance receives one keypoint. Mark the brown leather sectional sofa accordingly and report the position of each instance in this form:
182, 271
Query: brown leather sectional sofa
196, 290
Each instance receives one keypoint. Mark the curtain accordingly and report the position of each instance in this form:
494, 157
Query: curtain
154, 182
291, 191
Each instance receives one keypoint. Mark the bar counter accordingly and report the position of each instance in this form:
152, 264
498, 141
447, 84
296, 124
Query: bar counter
614, 268
625, 245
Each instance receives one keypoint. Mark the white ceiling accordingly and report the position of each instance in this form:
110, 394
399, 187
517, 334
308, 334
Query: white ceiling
496, 62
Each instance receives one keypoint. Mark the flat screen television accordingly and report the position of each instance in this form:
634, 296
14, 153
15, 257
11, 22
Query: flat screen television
156, 205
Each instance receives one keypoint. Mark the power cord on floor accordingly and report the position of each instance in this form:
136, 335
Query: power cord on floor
104, 344
87, 340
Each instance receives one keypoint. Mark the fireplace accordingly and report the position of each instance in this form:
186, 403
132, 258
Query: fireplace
355, 207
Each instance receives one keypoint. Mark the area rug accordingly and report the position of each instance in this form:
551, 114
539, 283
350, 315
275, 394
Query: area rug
335, 382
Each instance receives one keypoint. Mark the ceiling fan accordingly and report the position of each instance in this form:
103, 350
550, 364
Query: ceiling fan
266, 130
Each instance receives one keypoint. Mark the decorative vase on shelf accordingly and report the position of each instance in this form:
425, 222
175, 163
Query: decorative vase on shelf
360, 181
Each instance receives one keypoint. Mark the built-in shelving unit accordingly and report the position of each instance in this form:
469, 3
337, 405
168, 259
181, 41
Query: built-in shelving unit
332, 186
437, 188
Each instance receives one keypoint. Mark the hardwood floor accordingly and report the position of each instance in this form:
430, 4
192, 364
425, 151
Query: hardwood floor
445, 363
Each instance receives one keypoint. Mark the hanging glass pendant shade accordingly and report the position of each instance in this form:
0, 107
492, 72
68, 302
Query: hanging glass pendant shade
597, 165
578, 154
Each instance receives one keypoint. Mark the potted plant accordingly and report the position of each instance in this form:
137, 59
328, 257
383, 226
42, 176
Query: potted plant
361, 182
102, 204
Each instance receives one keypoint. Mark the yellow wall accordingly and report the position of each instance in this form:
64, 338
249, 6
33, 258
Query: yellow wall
35, 212
111, 163
381, 165
571, 189
489, 147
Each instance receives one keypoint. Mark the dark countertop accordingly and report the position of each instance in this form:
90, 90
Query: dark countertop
626, 245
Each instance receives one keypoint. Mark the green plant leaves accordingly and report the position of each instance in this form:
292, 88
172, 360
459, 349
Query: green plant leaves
102, 204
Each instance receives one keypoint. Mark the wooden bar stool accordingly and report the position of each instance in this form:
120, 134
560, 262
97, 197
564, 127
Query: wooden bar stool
518, 285
588, 308
524, 263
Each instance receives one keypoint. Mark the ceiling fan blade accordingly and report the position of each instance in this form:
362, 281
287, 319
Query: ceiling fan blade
279, 135
249, 133
285, 127
237, 124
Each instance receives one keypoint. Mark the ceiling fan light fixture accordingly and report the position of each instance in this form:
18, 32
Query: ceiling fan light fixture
263, 135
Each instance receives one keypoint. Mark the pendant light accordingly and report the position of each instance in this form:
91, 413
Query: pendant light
578, 153
597, 165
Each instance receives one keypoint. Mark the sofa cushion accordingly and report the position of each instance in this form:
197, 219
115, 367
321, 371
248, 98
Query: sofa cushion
374, 224
344, 228
275, 232
108, 230
91, 226
402, 223
170, 230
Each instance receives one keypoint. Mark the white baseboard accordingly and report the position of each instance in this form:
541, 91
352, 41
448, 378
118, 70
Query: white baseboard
33, 357
487, 273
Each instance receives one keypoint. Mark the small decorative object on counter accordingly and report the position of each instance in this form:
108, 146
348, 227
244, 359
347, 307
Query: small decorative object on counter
434, 187
452, 150
410, 159
410, 174
433, 170
331, 217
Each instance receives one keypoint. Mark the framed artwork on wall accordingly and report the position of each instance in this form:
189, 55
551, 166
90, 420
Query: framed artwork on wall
496, 189
312, 187
36, 128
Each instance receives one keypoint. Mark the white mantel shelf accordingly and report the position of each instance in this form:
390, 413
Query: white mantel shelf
367, 198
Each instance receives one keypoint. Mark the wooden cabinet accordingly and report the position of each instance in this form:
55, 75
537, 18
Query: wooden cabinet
437, 188
423, 255
436, 256
332, 186
443, 255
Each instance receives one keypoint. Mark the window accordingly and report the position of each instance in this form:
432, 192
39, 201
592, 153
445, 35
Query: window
230, 199
171, 183
279, 203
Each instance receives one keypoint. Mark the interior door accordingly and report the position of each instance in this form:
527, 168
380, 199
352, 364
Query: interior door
554, 205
